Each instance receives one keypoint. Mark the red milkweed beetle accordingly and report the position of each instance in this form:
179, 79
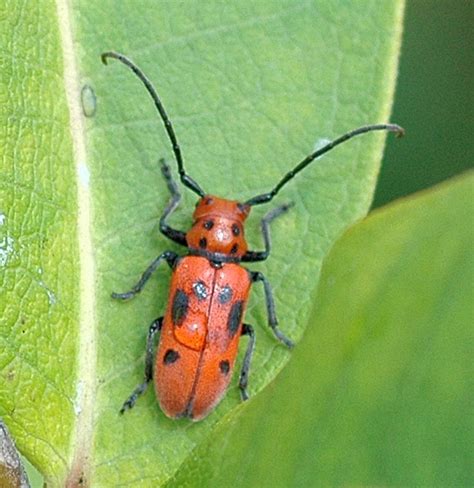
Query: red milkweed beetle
209, 289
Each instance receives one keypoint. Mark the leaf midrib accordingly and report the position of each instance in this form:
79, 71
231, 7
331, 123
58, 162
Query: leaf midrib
82, 432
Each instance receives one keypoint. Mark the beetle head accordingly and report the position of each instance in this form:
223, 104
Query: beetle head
219, 226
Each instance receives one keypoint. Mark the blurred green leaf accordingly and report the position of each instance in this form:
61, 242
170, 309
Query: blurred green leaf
433, 100
379, 392
251, 90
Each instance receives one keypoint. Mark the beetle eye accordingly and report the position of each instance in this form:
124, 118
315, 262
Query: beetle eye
235, 230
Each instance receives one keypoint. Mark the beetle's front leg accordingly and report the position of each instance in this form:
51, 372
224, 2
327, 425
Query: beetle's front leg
140, 389
175, 235
170, 257
272, 318
253, 256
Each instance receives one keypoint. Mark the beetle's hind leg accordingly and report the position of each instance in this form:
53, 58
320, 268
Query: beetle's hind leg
244, 373
140, 389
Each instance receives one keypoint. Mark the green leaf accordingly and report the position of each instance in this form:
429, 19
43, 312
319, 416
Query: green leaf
379, 392
39, 262
251, 89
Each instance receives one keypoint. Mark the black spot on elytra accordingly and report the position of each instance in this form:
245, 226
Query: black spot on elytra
225, 295
224, 366
235, 229
200, 290
235, 317
180, 306
234, 248
203, 243
208, 224
170, 356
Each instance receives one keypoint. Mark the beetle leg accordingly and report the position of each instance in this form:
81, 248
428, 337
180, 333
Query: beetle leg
171, 258
272, 318
177, 236
253, 256
154, 328
244, 373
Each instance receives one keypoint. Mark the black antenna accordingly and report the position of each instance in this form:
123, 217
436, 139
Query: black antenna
185, 179
266, 197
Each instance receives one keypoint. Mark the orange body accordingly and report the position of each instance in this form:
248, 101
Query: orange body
200, 336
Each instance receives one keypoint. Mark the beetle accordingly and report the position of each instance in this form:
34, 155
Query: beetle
209, 288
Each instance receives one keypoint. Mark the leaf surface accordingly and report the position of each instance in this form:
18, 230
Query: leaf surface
251, 90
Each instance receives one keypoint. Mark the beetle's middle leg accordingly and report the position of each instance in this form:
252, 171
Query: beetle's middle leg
140, 389
170, 257
271, 314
